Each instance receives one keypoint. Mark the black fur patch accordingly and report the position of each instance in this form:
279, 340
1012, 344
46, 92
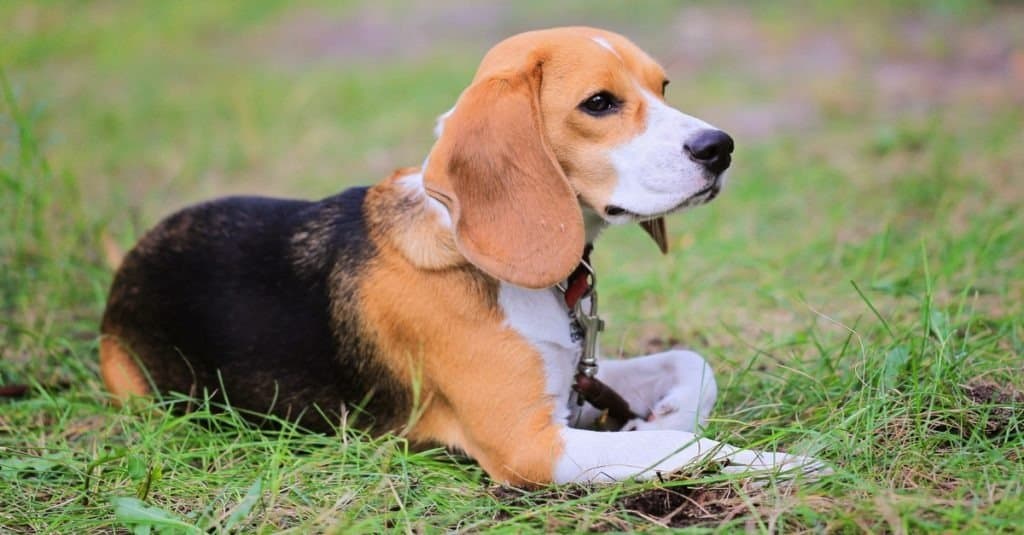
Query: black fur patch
258, 295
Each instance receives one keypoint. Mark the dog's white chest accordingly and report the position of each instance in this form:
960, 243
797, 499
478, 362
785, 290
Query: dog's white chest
542, 318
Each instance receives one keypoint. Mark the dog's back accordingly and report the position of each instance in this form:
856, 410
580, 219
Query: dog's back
241, 294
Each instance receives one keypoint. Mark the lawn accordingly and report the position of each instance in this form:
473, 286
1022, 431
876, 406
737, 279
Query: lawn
858, 287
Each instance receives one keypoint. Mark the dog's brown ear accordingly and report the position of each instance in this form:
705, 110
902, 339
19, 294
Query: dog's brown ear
656, 229
515, 215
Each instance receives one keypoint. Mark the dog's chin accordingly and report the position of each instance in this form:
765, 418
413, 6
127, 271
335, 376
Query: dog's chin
618, 215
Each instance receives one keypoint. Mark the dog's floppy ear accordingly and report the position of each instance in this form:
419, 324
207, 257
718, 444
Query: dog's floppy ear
655, 228
515, 215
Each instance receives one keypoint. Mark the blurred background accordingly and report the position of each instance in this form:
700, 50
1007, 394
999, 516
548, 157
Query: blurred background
160, 98
865, 131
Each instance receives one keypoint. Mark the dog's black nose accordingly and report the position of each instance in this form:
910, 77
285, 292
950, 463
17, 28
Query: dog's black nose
710, 148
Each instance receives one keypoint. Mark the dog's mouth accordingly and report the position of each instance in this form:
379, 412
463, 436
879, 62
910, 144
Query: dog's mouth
702, 196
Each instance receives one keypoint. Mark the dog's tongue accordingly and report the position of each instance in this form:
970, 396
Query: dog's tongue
656, 228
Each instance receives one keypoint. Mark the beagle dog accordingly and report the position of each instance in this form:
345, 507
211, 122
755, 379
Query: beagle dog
432, 303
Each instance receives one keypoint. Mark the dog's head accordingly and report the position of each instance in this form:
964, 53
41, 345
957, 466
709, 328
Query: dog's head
558, 123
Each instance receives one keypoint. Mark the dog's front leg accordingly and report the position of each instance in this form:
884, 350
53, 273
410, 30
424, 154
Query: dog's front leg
593, 456
671, 390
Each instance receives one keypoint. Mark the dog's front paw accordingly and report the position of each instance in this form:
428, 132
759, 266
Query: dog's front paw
675, 411
672, 420
677, 392
778, 464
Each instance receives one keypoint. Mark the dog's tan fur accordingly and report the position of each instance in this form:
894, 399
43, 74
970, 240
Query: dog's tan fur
120, 371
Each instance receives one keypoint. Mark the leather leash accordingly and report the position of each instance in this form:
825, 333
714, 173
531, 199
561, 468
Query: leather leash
585, 325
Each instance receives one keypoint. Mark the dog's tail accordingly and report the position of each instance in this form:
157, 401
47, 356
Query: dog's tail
113, 254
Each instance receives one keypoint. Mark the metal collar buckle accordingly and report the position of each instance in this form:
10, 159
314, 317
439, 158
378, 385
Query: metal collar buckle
585, 324
586, 317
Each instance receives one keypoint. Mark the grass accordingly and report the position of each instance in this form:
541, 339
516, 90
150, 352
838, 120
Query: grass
858, 287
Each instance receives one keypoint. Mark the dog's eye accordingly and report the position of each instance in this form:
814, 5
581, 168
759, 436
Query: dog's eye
664, 84
600, 104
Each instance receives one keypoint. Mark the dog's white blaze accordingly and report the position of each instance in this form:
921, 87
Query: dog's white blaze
654, 172
604, 43
414, 183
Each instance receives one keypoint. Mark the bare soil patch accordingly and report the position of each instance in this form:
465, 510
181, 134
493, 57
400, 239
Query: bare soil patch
1005, 404
685, 506
672, 503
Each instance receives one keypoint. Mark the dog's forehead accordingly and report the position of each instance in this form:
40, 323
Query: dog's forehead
571, 47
